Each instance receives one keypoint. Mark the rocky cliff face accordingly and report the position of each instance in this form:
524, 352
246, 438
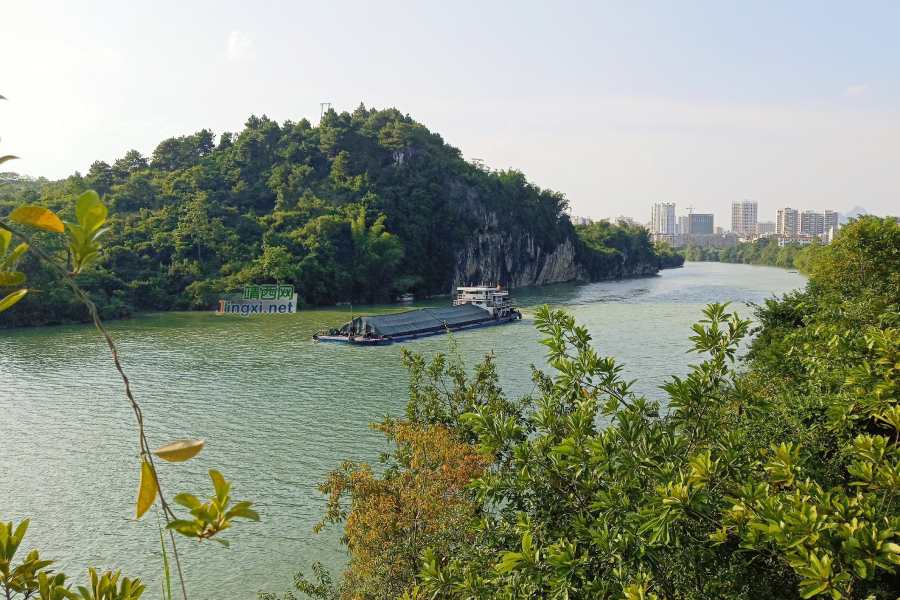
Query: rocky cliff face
512, 259
505, 255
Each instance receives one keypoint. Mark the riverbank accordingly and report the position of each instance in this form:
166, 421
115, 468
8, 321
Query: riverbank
762, 252
432, 300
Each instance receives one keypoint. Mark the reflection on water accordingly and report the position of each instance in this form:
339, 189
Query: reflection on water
278, 410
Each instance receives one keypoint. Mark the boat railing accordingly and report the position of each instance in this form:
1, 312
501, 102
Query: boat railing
505, 303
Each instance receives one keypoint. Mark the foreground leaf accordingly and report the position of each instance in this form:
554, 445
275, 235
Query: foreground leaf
147, 490
180, 451
13, 257
85, 202
11, 279
187, 500
37, 217
186, 528
12, 299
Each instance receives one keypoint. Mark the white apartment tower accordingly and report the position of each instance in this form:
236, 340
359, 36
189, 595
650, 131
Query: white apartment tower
787, 222
812, 223
743, 218
662, 218
829, 220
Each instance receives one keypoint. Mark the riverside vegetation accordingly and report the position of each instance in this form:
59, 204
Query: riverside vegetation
365, 205
772, 475
764, 251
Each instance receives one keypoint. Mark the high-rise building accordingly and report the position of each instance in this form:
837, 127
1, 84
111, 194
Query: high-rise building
682, 225
620, 220
743, 218
812, 223
765, 228
787, 222
701, 223
829, 221
662, 218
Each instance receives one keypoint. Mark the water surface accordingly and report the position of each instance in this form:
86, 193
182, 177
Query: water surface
279, 412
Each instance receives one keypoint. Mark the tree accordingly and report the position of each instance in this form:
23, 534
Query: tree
422, 500
132, 162
277, 264
420, 503
196, 227
864, 257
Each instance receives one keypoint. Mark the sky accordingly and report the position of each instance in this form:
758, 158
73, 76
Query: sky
616, 104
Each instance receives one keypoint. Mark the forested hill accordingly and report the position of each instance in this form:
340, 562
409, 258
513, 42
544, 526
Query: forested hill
365, 205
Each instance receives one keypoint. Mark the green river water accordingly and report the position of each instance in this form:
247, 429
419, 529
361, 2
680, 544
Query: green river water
279, 412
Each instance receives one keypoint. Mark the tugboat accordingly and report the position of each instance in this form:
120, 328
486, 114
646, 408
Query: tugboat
474, 306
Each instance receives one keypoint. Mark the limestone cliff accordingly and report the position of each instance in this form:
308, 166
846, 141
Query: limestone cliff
512, 259
500, 253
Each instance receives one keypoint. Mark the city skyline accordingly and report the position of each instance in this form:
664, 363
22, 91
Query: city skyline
760, 219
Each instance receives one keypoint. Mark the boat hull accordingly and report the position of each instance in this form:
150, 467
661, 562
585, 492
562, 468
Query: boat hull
384, 341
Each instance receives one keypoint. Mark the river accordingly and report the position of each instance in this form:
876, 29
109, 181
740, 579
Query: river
279, 412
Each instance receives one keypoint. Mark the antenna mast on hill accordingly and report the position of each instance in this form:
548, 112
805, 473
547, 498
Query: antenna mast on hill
323, 109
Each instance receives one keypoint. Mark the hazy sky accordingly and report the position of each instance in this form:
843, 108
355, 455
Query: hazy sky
616, 104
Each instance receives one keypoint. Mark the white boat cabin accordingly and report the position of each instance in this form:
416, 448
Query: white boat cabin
494, 300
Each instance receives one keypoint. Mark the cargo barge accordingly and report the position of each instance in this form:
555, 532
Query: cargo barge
474, 306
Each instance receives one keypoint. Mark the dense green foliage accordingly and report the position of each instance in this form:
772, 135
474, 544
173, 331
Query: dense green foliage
772, 476
609, 250
367, 204
764, 251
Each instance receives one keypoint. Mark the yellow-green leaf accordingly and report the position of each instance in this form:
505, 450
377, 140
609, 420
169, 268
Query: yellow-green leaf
85, 201
13, 257
147, 490
37, 217
11, 279
3, 159
77, 234
94, 217
814, 588
217, 479
5, 238
180, 451
12, 299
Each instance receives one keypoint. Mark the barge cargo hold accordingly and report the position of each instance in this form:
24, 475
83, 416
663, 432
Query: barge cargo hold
474, 307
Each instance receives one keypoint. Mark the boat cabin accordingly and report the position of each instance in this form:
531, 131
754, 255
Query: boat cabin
494, 300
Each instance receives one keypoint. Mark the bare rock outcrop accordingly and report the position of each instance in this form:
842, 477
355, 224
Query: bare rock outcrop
500, 253
512, 259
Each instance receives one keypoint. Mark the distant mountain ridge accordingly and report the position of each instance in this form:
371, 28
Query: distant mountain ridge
854, 213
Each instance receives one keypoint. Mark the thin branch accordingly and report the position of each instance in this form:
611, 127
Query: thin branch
69, 277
